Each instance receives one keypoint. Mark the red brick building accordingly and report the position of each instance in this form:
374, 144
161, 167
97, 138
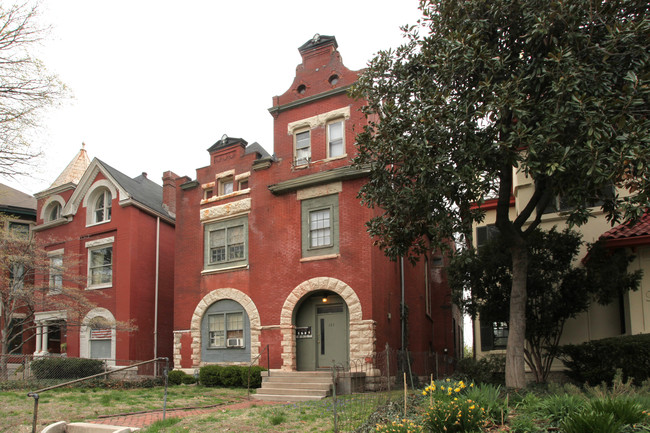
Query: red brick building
273, 250
112, 236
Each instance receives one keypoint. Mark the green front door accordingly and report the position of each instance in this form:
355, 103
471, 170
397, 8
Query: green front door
331, 335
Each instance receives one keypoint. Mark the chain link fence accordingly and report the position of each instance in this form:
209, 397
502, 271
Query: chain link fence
382, 387
28, 371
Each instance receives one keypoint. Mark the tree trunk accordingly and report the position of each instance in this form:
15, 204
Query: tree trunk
515, 362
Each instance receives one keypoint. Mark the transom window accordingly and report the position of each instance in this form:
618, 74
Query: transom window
100, 266
303, 148
102, 207
320, 228
226, 330
335, 145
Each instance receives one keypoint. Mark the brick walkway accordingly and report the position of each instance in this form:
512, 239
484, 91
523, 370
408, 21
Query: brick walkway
142, 420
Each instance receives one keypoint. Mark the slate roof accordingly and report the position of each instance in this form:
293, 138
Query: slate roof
256, 147
317, 41
140, 188
12, 200
638, 231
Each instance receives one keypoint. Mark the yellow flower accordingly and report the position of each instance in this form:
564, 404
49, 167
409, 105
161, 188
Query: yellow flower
457, 390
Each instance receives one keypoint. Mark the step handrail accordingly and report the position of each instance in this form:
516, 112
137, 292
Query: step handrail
268, 364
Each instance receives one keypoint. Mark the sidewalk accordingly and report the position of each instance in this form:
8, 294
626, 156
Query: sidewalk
142, 420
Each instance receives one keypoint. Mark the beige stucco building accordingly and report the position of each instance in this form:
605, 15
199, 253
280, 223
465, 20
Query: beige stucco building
630, 315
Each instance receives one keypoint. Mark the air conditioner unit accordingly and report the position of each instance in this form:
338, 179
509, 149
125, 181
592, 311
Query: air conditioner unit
235, 342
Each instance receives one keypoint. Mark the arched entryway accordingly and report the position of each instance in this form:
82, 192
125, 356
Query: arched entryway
361, 340
322, 331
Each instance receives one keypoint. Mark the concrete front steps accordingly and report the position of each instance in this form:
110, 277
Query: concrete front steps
282, 385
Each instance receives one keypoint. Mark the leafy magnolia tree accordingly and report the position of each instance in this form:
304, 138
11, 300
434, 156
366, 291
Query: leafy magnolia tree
26, 88
557, 290
556, 90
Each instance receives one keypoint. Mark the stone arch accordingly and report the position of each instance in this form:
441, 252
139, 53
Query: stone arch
84, 333
217, 295
362, 332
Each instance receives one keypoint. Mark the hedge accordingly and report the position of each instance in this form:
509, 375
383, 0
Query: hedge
230, 376
66, 368
597, 361
176, 377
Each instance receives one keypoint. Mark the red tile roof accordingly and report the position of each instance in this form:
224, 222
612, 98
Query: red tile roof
629, 234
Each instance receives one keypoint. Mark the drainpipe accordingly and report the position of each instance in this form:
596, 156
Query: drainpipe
403, 319
155, 313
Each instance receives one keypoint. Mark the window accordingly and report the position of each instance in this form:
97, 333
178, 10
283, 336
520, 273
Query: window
320, 217
97, 336
226, 244
102, 207
243, 184
56, 273
485, 234
100, 339
303, 148
17, 276
494, 335
53, 211
100, 267
15, 335
336, 144
226, 330
20, 230
564, 204
226, 185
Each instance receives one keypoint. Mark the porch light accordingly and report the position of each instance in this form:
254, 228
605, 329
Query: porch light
324, 299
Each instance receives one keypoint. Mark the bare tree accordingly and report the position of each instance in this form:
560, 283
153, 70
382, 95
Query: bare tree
30, 281
26, 87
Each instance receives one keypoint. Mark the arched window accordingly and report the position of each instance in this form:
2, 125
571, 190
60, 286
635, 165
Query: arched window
225, 331
53, 211
97, 335
102, 206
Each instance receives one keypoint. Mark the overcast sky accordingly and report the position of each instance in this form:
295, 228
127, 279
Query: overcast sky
155, 83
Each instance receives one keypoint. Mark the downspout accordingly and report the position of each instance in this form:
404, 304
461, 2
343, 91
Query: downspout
403, 319
155, 311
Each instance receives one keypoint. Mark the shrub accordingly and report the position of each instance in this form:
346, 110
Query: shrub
66, 368
188, 380
458, 415
210, 375
587, 421
255, 376
624, 409
597, 361
490, 369
556, 408
231, 376
489, 398
175, 377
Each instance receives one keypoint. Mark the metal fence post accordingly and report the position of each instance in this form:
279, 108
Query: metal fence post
165, 374
336, 428
35, 397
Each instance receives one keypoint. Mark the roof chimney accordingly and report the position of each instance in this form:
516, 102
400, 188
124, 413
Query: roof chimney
169, 192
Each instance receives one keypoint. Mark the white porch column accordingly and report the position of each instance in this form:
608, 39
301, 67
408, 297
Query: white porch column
39, 333
45, 336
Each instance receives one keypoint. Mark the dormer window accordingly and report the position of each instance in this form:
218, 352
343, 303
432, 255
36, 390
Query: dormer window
303, 147
54, 211
335, 142
102, 207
